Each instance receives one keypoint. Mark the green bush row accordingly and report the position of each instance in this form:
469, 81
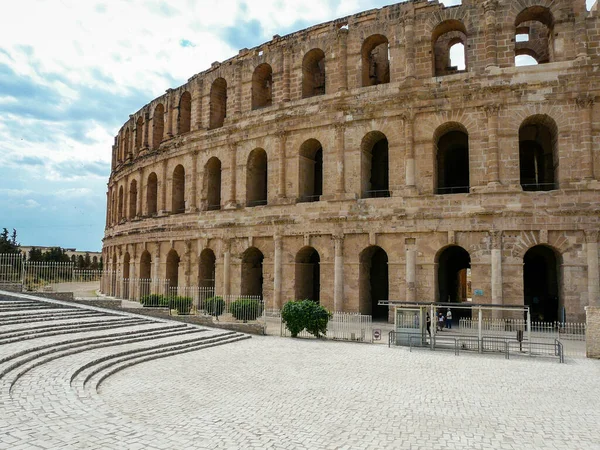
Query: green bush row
183, 305
246, 309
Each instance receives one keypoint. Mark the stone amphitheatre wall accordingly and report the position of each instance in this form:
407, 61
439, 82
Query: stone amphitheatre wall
352, 161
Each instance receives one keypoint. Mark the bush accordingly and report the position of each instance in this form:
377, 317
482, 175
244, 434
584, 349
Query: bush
154, 300
299, 315
246, 309
214, 306
183, 305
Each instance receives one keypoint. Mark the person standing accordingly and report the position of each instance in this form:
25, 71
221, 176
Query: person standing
428, 324
441, 321
449, 319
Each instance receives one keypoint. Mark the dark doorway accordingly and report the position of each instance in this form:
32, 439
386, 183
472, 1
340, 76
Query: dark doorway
374, 282
308, 275
537, 163
252, 272
453, 163
541, 283
454, 273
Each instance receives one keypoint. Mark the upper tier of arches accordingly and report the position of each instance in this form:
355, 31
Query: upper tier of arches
369, 49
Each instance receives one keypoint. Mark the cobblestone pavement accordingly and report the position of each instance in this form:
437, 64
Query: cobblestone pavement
281, 393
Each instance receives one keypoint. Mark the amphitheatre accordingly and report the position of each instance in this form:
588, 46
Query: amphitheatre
351, 162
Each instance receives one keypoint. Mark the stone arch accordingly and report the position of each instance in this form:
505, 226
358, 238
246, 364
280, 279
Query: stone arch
310, 171
445, 35
375, 181
146, 265
152, 194
537, 22
139, 133
313, 73
373, 282
453, 275
256, 178
538, 153
308, 275
262, 86
184, 117
172, 269
451, 149
178, 190
126, 149
529, 239
212, 183
133, 196
158, 125
252, 272
375, 60
542, 282
207, 269
218, 103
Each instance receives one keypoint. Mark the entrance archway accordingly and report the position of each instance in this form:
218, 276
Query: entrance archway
206, 269
454, 276
172, 273
541, 281
308, 275
373, 282
252, 272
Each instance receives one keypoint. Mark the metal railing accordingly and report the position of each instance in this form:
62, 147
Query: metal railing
252, 203
383, 193
309, 198
453, 190
213, 207
342, 326
530, 187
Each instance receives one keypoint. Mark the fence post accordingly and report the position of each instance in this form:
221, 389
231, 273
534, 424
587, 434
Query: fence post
529, 330
479, 329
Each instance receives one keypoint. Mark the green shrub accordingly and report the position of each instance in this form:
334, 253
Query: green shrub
306, 315
246, 308
154, 300
214, 306
183, 305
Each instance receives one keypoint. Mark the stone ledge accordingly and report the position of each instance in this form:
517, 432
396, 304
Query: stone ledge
592, 332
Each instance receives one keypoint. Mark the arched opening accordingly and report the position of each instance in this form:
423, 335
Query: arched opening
256, 178
375, 179
126, 149
449, 40
139, 133
120, 207
374, 282
308, 275
375, 56
184, 117
178, 190
452, 159
541, 281
206, 269
213, 183
534, 35
126, 275
538, 154
133, 193
152, 194
313, 73
262, 86
252, 272
454, 276
172, 269
310, 171
145, 273
218, 103
158, 125
113, 208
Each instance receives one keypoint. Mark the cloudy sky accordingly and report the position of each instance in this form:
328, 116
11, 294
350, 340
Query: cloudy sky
71, 72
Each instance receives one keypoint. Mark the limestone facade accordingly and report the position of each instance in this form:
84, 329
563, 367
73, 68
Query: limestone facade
351, 162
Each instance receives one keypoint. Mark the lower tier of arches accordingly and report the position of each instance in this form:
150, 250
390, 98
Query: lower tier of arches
554, 272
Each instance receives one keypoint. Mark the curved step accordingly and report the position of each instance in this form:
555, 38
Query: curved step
51, 354
19, 319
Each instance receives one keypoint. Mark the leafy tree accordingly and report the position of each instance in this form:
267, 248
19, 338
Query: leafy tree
87, 261
8, 243
35, 255
305, 314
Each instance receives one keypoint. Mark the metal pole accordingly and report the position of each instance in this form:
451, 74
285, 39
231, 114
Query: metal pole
529, 329
432, 327
479, 329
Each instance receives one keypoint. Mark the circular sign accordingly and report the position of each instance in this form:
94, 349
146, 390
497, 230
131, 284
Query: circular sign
377, 334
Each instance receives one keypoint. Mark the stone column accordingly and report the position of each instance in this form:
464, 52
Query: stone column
591, 242
491, 52
140, 199
496, 245
342, 35
232, 201
187, 261
585, 103
581, 34
285, 57
411, 270
238, 88
168, 133
146, 126
340, 147
199, 98
163, 189
226, 267
409, 45
193, 205
107, 208
409, 142
338, 277
156, 262
277, 272
282, 136
491, 112
126, 199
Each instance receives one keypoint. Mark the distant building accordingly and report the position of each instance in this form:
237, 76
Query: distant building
72, 253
